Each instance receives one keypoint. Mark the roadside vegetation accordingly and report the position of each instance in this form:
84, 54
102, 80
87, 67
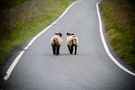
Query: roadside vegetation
22, 19
119, 22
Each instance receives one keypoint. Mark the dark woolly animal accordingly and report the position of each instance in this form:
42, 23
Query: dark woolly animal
72, 43
56, 43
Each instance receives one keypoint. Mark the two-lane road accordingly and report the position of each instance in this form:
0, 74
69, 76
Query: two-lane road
90, 69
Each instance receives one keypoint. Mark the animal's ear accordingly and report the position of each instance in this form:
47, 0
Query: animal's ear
55, 33
60, 34
73, 34
68, 34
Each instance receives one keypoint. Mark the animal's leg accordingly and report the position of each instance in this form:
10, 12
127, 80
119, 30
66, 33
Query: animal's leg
75, 50
71, 50
53, 48
58, 50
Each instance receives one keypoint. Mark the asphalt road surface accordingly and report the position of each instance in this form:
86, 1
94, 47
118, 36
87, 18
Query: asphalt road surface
90, 69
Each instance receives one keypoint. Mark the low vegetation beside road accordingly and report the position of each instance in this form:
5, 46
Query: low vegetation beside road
22, 19
119, 21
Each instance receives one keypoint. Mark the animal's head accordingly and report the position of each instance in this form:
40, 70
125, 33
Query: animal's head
70, 34
59, 34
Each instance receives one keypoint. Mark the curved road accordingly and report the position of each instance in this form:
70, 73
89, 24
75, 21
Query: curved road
90, 69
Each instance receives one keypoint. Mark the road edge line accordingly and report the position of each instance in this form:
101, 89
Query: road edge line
12, 66
105, 44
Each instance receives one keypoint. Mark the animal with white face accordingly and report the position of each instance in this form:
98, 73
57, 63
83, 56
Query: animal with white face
72, 43
56, 41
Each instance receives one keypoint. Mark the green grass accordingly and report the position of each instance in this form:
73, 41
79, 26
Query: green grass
119, 21
19, 21
10, 3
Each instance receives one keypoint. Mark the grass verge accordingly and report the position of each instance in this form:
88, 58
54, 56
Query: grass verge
21, 20
119, 23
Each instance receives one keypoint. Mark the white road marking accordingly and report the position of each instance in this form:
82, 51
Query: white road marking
105, 45
9, 71
13, 65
